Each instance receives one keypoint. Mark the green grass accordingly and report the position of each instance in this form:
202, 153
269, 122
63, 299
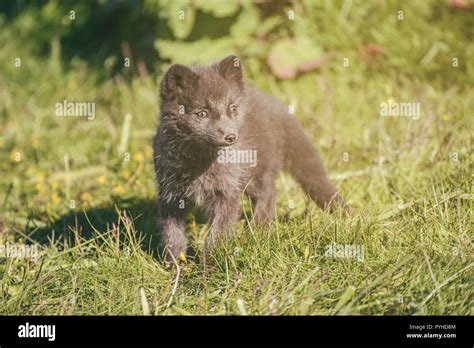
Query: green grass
408, 181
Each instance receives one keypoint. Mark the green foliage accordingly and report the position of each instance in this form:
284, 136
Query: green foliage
181, 19
414, 39
203, 51
288, 56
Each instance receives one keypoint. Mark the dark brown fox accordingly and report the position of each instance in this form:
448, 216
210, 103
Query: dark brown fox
217, 139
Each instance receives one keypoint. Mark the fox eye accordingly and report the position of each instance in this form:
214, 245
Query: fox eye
233, 107
202, 113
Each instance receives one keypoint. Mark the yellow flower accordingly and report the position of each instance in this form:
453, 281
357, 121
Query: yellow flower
55, 199
35, 142
72, 84
447, 117
55, 185
193, 225
102, 179
40, 177
86, 197
182, 257
118, 190
125, 174
148, 152
41, 188
138, 157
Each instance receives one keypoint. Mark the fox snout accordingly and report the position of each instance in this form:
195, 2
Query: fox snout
231, 138
228, 134
227, 139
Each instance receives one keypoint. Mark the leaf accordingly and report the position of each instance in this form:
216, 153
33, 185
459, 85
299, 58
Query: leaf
305, 306
241, 306
247, 22
290, 56
306, 253
181, 18
201, 51
269, 24
145, 306
15, 290
460, 4
345, 297
218, 8
370, 53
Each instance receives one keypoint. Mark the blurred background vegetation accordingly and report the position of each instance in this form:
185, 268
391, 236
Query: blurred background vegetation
418, 42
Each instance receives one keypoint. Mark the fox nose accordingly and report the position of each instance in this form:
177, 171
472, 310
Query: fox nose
230, 138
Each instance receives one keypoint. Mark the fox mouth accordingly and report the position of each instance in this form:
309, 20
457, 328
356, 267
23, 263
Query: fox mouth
217, 143
222, 143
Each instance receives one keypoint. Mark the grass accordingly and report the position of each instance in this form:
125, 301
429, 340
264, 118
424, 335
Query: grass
84, 192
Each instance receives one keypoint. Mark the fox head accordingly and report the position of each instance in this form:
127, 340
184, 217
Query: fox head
204, 105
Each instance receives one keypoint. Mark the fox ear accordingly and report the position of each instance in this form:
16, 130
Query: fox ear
230, 68
177, 79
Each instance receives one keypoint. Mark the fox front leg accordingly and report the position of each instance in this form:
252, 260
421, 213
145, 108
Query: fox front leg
172, 225
224, 213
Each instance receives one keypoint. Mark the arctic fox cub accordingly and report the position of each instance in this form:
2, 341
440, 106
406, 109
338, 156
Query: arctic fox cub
218, 138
